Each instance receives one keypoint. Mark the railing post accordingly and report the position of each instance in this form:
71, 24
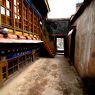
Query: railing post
1, 77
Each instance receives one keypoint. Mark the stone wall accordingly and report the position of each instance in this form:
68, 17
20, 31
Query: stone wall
85, 42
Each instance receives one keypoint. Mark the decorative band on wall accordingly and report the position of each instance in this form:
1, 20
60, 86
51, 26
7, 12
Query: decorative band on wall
18, 33
57, 35
26, 34
10, 31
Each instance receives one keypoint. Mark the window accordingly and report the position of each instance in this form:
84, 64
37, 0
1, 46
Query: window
7, 4
18, 13
11, 15
30, 21
2, 10
25, 18
36, 24
15, 2
60, 44
6, 11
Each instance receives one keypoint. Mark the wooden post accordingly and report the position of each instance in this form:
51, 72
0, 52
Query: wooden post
3, 63
6, 71
13, 17
33, 23
1, 77
22, 17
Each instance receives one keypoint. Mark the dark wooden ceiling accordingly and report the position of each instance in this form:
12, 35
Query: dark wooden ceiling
41, 6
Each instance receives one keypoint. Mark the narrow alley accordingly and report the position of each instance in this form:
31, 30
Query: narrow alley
45, 76
47, 47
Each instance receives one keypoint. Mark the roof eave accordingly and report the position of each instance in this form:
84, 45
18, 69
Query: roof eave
85, 4
47, 4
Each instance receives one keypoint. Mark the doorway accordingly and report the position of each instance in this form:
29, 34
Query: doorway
72, 46
60, 45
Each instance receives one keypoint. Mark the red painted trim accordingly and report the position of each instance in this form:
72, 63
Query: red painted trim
56, 34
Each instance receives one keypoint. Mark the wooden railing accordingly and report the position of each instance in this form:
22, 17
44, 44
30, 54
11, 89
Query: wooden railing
49, 47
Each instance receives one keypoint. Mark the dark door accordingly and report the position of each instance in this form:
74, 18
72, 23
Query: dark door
72, 46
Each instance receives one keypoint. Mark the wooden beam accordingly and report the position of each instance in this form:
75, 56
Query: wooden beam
33, 23
22, 16
13, 17
1, 77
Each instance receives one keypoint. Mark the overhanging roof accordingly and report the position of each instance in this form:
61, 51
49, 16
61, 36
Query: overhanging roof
46, 1
30, 3
42, 6
57, 27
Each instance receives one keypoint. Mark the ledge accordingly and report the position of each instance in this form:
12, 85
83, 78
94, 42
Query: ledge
4, 40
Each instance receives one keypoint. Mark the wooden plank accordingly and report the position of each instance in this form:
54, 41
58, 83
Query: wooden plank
1, 77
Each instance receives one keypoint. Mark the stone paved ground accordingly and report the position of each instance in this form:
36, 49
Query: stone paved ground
46, 76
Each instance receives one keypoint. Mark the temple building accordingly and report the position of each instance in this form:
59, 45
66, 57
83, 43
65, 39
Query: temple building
21, 33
